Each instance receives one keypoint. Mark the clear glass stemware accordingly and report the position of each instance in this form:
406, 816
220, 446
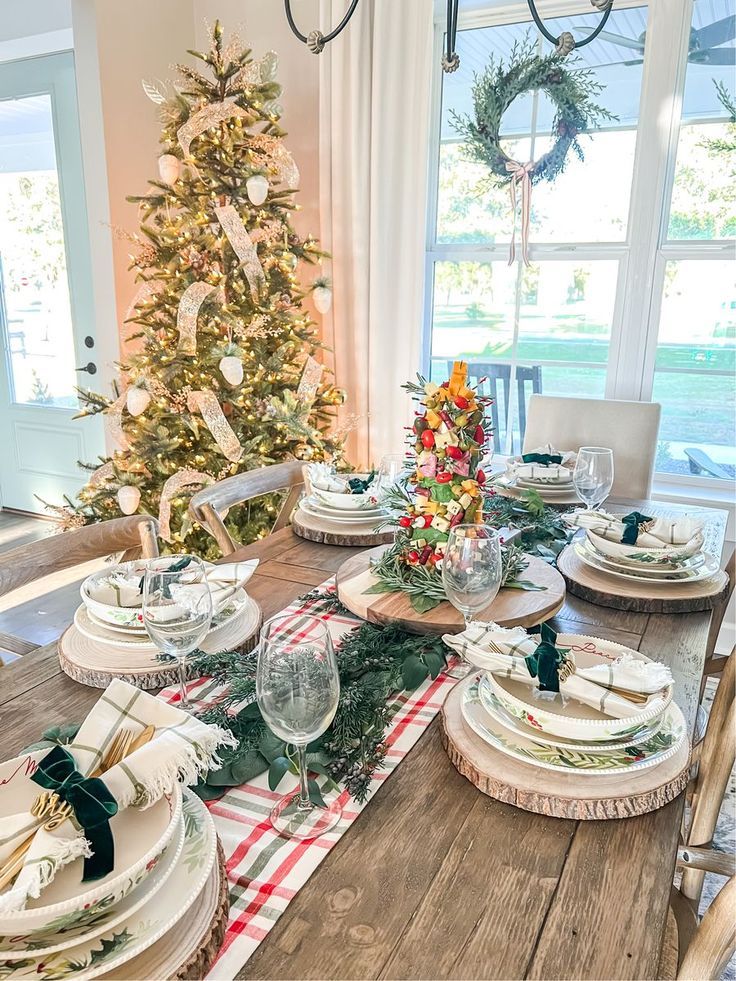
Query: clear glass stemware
298, 687
471, 573
389, 471
177, 610
593, 475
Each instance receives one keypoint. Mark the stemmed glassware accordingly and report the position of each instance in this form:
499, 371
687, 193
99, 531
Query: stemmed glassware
593, 475
389, 471
177, 610
297, 687
471, 573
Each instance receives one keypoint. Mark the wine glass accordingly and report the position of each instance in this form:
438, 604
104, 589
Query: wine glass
593, 475
177, 610
297, 687
392, 465
471, 573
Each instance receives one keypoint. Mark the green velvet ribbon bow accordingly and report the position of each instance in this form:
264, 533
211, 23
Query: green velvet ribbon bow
545, 662
92, 803
359, 485
632, 522
542, 458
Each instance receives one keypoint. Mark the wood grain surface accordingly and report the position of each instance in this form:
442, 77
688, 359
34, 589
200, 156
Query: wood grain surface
626, 594
317, 529
435, 879
511, 608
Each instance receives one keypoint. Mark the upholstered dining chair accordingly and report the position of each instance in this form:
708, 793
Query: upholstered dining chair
133, 536
695, 948
209, 505
629, 428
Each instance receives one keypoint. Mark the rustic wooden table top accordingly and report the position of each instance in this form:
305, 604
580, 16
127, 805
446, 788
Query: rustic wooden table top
436, 880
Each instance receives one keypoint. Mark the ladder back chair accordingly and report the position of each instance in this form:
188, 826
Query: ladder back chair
134, 536
209, 505
630, 429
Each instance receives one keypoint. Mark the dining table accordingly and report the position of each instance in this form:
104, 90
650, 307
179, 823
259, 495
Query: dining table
435, 879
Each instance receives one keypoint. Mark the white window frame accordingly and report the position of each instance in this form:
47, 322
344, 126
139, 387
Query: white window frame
643, 254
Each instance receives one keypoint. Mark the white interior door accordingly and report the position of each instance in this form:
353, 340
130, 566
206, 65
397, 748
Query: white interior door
47, 330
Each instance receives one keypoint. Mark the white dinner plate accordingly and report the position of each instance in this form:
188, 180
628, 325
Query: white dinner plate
358, 519
710, 567
656, 570
323, 509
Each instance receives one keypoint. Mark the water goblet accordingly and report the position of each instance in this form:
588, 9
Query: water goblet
593, 475
297, 687
177, 610
471, 573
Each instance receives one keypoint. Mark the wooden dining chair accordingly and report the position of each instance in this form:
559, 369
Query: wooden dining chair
715, 663
704, 946
630, 429
133, 536
209, 506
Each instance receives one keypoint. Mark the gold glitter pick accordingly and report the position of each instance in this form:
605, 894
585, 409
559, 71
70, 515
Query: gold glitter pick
206, 403
309, 382
102, 474
186, 316
144, 292
281, 160
114, 418
184, 478
237, 236
206, 118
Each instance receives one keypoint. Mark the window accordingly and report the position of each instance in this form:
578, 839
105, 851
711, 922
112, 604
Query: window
621, 245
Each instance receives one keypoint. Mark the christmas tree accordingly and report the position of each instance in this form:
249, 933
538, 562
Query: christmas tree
223, 377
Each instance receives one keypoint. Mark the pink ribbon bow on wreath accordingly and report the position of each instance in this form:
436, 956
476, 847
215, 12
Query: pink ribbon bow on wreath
521, 174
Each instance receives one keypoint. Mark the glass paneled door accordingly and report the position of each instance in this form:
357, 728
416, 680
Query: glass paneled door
46, 305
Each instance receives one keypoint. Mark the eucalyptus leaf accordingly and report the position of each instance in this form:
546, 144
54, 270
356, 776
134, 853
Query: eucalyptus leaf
435, 662
315, 794
247, 766
422, 603
278, 768
413, 672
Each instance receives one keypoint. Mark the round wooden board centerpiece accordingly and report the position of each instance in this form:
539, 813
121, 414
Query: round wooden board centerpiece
563, 795
639, 597
96, 663
511, 608
317, 529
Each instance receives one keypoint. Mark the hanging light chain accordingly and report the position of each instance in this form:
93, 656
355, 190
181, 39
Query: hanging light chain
450, 57
566, 43
316, 40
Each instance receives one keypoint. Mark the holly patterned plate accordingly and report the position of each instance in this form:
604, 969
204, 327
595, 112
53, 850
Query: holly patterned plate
660, 747
518, 725
142, 928
67, 931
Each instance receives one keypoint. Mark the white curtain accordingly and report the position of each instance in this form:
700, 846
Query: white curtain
375, 83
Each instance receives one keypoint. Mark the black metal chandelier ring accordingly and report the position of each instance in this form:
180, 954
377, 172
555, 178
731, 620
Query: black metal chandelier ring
559, 42
316, 40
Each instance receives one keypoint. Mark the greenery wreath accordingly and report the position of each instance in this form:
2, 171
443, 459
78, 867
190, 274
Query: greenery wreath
571, 91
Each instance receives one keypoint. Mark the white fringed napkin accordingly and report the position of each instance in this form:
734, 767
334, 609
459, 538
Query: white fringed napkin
555, 473
661, 533
501, 651
182, 749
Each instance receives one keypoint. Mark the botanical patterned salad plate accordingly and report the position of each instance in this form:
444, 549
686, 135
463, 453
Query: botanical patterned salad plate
142, 928
314, 505
520, 727
709, 568
141, 838
642, 555
660, 747
353, 518
564, 716
654, 569
67, 930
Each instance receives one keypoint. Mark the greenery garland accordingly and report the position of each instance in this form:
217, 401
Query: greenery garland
499, 85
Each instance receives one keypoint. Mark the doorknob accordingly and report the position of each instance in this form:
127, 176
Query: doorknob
91, 367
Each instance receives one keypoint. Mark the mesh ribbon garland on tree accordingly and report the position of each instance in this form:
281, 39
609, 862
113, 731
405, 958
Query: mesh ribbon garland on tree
223, 336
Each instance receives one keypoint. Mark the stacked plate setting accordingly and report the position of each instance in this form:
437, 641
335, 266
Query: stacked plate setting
344, 508
164, 864
556, 732
654, 566
553, 483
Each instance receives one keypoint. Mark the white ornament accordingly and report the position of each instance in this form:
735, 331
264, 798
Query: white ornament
257, 188
322, 296
232, 370
169, 168
129, 498
137, 400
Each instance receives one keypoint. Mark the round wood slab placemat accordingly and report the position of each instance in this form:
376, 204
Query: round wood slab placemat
189, 949
95, 663
563, 795
511, 608
627, 594
317, 529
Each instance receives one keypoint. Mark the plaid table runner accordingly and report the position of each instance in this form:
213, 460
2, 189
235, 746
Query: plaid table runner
265, 870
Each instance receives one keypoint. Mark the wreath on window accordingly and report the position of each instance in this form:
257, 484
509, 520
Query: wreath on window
572, 92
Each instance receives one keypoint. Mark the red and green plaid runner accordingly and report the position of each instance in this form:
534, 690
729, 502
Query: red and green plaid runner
265, 870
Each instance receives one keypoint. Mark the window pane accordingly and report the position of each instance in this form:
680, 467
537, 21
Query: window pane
555, 340
704, 191
694, 370
33, 275
573, 209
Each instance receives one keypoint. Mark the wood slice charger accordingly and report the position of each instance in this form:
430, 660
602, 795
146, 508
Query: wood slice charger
564, 795
317, 529
97, 662
628, 594
511, 608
